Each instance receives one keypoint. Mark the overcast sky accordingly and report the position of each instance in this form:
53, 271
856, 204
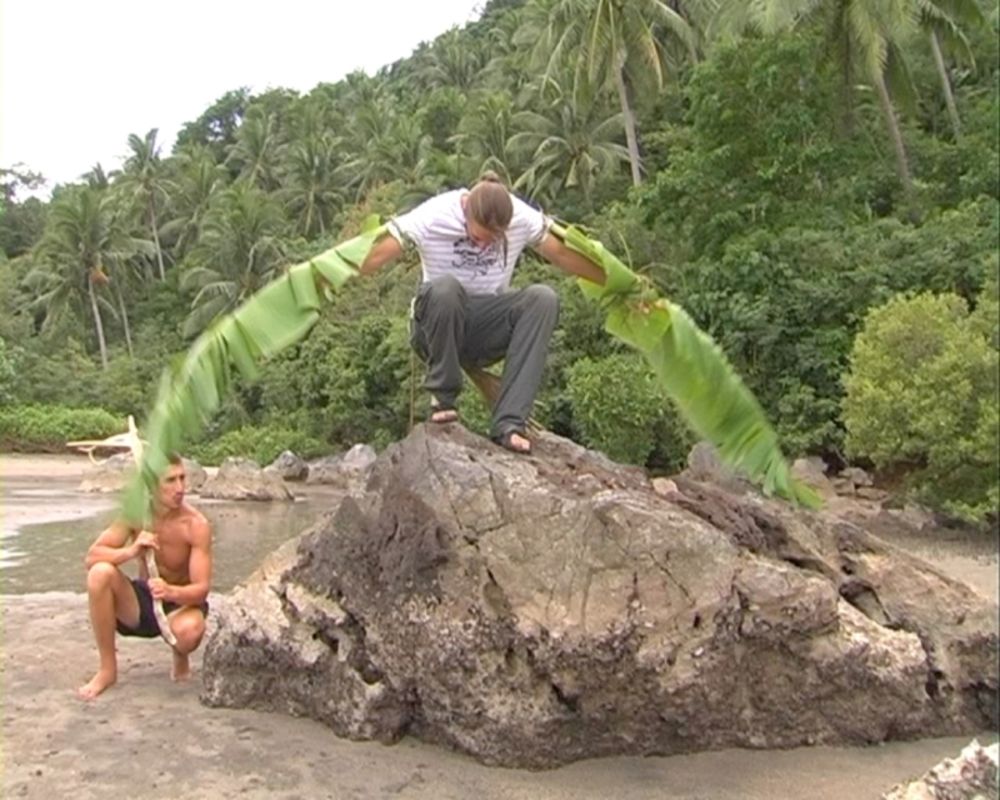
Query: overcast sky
77, 77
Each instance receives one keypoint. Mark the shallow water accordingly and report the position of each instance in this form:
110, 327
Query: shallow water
48, 556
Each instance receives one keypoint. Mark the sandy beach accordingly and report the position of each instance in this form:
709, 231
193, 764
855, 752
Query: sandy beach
152, 738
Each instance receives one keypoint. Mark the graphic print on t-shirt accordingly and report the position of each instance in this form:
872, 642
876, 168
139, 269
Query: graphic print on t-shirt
477, 260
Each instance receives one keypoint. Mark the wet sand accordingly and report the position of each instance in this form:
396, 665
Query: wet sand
152, 738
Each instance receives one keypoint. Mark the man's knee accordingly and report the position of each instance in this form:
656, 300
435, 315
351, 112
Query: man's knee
445, 294
100, 576
541, 298
188, 628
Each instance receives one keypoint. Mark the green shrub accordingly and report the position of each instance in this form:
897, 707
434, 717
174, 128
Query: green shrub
262, 443
922, 395
39, 428
617, 406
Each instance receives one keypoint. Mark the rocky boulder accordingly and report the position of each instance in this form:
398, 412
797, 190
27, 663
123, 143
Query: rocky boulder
113, 473
346, 471
534, 610
289, 467
109, 475
243, 479
972, 775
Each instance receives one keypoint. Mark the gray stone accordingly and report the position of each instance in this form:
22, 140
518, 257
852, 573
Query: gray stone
970, 776
664, 486
704, 464
195, 474
289, 467
243, 479
109, 475
812, 472
857, 476
348, 470
534, 610
112, 474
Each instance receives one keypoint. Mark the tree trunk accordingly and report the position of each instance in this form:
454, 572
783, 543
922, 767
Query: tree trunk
156, 239
631, 137
949, 96
98, 324
895, 134
125, 322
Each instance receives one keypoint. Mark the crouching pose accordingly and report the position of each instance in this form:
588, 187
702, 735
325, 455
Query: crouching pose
182, 543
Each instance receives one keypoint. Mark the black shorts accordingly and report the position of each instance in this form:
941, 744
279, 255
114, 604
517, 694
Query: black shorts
147, 627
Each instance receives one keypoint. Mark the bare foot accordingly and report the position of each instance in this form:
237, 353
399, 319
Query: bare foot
514, 441
101, 681
181, 670
443, 415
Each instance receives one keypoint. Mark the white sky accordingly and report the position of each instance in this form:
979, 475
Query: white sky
78, 76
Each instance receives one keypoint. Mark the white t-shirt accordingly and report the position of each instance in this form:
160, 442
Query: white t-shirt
437, 228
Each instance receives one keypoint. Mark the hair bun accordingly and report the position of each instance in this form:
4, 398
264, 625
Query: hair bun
489, 176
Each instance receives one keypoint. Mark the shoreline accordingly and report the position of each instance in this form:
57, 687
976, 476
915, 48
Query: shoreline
150, 736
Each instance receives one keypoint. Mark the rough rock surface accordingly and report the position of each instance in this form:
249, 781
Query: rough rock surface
972, 775
289, 467
113, 473
243, 479
536, 610
349, 470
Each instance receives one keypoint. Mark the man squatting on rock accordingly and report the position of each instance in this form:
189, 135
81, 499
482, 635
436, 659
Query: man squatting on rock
465, 313
182, 540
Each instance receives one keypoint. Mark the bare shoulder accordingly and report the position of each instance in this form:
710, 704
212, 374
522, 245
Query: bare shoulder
199, 528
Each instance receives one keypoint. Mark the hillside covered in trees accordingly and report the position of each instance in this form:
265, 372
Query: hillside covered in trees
817, 183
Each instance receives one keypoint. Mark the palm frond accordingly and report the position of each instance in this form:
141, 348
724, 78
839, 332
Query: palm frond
276, 317
691, 368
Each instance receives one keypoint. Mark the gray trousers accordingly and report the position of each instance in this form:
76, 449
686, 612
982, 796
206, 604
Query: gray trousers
452, 328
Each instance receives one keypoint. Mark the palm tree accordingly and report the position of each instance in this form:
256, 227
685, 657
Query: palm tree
484, 133
309, 187
452, 60
609, 42
866, 33
256, 153
86, 237
239, 251
197, 178
569, 144
143, 181
942, 21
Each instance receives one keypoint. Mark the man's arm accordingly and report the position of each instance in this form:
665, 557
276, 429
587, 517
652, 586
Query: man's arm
113, 546
385, 250
199, 570
559, 255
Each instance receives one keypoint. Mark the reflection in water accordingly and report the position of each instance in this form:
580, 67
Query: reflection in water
49, 557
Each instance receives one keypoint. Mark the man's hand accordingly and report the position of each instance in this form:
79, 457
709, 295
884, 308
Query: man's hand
159, 588
145, 539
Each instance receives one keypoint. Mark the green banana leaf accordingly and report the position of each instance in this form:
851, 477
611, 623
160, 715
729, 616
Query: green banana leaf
277, 316
690, 366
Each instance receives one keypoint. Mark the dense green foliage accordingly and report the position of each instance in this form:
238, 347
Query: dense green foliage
922, 393
47, 428
261, 443
782, 195
617, 406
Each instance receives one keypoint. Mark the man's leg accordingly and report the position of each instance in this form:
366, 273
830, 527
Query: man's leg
516, 326
188, 626
439, 315
111, 597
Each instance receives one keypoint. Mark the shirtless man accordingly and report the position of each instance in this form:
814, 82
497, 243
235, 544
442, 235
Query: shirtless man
182, 541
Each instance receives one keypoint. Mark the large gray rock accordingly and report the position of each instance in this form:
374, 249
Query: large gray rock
970, 776
347, 471
109, 475
243, 479
289, 467
533, 610
113, 473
